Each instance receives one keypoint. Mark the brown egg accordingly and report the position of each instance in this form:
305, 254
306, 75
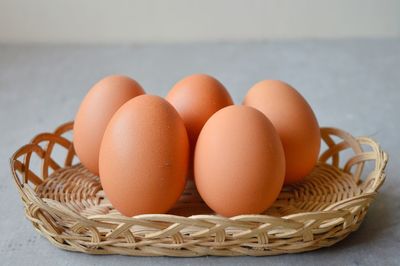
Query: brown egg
239, 162
94, 113
144, 156
295, 122
197, 98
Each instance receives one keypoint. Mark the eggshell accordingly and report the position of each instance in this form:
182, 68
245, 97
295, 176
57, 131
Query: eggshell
94, 113
197, 98
295, 122
239, 162
144, 156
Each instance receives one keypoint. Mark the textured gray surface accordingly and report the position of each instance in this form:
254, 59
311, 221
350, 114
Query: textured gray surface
354, 85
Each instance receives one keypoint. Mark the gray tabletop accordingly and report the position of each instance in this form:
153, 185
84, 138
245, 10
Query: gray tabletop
351, 84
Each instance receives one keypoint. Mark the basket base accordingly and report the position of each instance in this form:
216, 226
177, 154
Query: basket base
80, 190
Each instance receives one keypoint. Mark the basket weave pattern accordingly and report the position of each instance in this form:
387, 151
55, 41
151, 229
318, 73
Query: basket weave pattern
66, 204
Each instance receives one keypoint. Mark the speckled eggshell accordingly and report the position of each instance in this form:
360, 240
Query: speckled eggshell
239, 162
144, 156
197, 98
295, 122
94, 113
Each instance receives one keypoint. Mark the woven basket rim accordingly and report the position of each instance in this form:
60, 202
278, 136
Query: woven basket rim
44, 213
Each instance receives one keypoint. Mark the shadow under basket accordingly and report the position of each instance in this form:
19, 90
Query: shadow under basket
66, 204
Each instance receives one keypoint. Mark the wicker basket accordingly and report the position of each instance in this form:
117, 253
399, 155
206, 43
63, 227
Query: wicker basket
66, 204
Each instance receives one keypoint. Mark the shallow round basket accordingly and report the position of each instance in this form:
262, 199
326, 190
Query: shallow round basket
66, 204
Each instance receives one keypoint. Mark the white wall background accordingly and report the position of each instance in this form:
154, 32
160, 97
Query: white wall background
107, 21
